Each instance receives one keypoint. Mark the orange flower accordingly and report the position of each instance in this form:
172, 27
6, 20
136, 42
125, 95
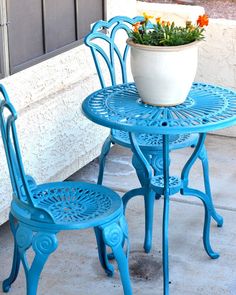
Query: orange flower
203, 20
165, 23
158, 20
136, 27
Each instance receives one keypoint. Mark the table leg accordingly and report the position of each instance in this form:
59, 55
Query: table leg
165, 225
147, 170
145, 173
149, 198
204, 160
204, 197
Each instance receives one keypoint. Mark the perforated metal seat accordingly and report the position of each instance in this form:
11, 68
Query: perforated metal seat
39, 212
86, 205
72, 204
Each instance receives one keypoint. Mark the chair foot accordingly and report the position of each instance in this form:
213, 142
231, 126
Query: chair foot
6, 285
102, 254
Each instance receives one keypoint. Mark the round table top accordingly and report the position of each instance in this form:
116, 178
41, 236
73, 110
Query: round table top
207, 108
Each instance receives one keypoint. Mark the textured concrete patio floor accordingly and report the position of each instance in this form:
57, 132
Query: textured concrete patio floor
74, 267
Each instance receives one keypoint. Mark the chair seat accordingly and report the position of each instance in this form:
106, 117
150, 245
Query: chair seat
74, 205
154, 141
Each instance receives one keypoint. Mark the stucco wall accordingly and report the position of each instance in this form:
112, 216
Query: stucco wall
217, 58
217, 54
56, 139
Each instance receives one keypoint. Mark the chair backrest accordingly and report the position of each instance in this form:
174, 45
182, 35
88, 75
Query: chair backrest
19, 181
108, 50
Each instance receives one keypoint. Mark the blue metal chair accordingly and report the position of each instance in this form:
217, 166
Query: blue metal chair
110, 58
39, 212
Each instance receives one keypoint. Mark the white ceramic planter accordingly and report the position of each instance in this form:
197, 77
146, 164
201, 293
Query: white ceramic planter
163, 74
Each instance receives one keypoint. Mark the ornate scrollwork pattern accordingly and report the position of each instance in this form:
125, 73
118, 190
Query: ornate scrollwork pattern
44, 243
24, 237
157, 163
152, 140
113, 235
68, 203
206, 108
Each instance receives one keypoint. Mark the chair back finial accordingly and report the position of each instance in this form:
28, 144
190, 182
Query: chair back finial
8, 116
107, 41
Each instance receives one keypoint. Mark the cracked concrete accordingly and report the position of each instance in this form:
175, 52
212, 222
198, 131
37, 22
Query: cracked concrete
74, 267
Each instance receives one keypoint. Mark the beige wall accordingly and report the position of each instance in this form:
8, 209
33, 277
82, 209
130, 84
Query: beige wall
217, 58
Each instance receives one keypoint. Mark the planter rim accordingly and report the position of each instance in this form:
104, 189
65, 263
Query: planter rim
131, 43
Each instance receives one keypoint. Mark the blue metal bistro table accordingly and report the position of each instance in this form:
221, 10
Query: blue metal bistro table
206, 108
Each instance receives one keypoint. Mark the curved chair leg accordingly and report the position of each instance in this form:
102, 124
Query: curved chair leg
6, 285
204, 159
105, 150
149, 199
43, 244
102, 254
113, 235
127, 196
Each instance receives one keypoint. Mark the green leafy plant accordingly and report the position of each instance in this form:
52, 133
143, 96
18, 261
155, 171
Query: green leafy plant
163, 33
